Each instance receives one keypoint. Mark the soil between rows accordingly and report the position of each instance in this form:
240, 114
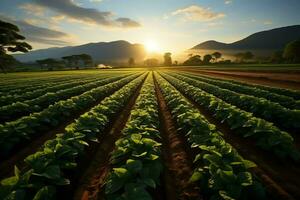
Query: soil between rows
176, 157
29, 147
280, 177
89, 183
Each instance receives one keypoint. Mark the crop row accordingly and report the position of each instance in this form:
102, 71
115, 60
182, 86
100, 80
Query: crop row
22, 96
220, 171
136, 160
18, 109
47, 169
27, 85
25, 128
281, 91
282, 117
285, 101
265, 134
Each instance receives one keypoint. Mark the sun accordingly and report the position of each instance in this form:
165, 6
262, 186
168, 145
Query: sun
152, 46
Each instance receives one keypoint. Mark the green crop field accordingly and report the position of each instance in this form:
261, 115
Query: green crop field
139, 134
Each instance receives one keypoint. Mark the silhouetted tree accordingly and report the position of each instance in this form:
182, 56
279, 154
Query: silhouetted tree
217, 55
277, 57
10, 41
248, 55
292, 51
131, 61
167, 59
151, 62
50, 63
175, 62
86, 59
206, 59
240, 57
193, 60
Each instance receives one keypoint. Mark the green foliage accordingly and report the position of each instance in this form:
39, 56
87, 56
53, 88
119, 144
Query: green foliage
292, 51
136, 159
25, 128
46, 168
221, 172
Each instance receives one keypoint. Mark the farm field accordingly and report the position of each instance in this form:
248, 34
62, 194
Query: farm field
141, 133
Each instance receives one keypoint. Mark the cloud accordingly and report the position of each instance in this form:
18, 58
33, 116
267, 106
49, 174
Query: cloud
198, 13
39, 34
32, 9
87, 15
228, 1
268, 22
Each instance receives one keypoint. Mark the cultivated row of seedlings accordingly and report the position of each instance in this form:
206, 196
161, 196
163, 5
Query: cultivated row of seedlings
16, 85
24, 129
18, 109
54, 87
281, 91
286, 101
136, 160
47, 170
265, 134
284, 118
219, 170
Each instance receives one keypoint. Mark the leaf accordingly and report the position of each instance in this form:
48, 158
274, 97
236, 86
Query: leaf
150, 182
11, 181
245, 178
196, 176
249, 164
45, 193
134, 165
120, 171
224, 195
51, 172
136, 138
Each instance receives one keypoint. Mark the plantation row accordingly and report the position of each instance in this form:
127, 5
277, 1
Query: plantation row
137, 167
284, 118
18, 109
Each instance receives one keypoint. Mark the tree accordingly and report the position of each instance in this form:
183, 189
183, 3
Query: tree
151, 62
217, 55
10, 41
292, 51
131, 61
244, 56
193, 60
248, 55
206, 59
277, 57
87, 59
49, 62
167, 59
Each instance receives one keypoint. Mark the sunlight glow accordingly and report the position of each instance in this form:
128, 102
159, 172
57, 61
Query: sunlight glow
152, 46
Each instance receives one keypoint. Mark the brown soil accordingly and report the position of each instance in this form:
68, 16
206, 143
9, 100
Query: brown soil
178, 164
91, 181
280, 177
25, 149
289, 81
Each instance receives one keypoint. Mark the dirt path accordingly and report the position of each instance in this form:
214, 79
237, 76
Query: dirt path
269, 79
178, 164
280, 177
90, 182
26, 148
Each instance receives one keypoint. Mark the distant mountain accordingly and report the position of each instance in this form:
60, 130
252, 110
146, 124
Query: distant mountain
274, 39
116, 51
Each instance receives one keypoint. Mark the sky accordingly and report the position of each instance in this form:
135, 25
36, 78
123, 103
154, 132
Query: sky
162, 25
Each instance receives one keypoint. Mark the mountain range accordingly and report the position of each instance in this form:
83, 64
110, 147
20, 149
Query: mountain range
106, 52
272, 40
262, 43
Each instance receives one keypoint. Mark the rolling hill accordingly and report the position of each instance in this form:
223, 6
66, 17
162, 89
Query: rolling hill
274, 39
116, 51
